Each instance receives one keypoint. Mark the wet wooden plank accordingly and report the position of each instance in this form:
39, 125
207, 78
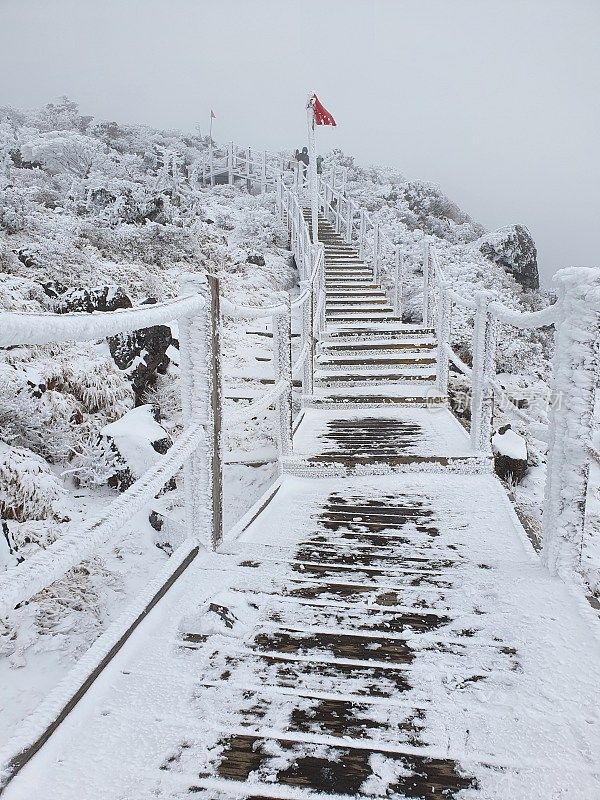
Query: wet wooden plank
342, 770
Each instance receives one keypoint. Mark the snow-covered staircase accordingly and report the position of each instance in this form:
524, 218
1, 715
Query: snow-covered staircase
367, 356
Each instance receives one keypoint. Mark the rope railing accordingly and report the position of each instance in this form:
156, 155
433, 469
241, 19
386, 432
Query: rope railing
23, 581
356, 226
20, 328
260, 169
575, 318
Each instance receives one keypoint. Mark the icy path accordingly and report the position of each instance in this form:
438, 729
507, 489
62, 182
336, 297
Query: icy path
413, 641
379, 628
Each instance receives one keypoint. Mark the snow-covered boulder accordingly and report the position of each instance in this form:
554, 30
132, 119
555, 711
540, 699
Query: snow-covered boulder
139, 441
513, 248
510, 454
98, 298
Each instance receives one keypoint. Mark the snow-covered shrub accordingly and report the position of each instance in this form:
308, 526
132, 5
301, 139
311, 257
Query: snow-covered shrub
94, 462
65, 153
99, 385
28, 488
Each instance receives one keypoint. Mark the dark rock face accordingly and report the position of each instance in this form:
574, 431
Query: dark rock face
98, 298
256, 258
27, 257
54, 289
142, 354
514, 250
510, 455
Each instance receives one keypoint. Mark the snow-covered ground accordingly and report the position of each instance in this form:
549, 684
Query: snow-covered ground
83, 206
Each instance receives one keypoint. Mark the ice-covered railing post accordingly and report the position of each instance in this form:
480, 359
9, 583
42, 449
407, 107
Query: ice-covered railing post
376, 253
349, 221
398, 277
308, 337
199, 343
576, 365
484, 371
443, 330
362, 236
230, 164
282, 358
426, 285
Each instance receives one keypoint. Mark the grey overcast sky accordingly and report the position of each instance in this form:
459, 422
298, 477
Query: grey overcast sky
496, 101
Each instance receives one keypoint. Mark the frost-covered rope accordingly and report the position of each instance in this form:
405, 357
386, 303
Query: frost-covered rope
262, 403
524, 319
537, 429
250, 312
465, 302
458, 362
301, 358
30, 328
302, 298
21, 583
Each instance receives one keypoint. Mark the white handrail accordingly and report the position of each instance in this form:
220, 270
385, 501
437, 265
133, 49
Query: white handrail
22, 582
20, 328
251, 312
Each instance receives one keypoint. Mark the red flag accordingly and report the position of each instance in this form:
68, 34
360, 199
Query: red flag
322, 116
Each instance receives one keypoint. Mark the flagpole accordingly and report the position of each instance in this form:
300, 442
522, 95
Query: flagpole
313, 186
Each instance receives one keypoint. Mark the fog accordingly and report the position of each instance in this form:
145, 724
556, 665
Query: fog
497, 102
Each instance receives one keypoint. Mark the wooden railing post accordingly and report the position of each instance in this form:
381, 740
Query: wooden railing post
230, 164
263, 174
282, 361
308, 338
349, 221
321, 256
362, 235
199, 344
443, 327
376, 253
575, 375
279, 195
426, 285
399, 279
216, 403
484, 369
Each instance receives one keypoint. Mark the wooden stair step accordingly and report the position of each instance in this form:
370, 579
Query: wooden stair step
342, 771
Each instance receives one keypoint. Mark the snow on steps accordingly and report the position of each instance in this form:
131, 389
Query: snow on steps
373, 643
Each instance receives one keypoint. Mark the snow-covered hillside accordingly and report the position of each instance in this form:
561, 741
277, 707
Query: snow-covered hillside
97, 216
102, 215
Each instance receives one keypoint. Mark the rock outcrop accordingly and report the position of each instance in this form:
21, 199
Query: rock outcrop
513, 249
142, 355
510, 454
97, 298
